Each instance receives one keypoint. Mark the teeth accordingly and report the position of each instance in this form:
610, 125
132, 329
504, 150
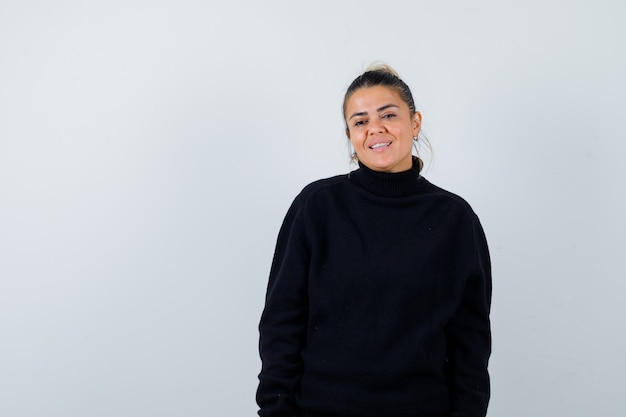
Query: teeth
378, 145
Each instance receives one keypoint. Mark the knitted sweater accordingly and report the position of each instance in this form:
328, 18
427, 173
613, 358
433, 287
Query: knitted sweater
378, 303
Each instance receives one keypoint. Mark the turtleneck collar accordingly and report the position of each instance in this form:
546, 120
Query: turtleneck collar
387, 184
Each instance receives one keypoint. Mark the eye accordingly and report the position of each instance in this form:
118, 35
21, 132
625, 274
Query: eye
388, 116
359, 123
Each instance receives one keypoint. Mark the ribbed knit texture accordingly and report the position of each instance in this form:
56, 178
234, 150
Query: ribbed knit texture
386, 184
378, 303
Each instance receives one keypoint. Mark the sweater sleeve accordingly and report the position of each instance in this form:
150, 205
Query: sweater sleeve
283, 321
469, 336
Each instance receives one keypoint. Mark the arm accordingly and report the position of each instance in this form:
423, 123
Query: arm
283, 322
469, 336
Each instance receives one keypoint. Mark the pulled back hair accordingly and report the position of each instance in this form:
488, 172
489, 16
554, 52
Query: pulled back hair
380, 74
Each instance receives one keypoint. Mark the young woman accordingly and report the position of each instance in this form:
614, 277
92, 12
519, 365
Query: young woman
380, 288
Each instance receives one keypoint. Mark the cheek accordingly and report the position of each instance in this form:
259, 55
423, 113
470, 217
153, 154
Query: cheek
356, 138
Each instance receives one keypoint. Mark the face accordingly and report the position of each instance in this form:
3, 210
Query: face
381, 129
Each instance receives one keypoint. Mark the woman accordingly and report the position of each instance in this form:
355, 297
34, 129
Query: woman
380, 288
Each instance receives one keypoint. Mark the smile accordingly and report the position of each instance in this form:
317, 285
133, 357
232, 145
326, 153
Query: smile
380, 145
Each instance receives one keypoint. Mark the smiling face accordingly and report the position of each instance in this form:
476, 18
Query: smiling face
381, 128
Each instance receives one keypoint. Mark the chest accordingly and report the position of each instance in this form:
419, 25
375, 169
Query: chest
391, 254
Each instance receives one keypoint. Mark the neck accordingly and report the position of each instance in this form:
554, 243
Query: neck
387, 184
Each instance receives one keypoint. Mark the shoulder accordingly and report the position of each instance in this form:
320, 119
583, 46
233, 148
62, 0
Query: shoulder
315, 191
322, 186
452, 199
464, 212
461, 220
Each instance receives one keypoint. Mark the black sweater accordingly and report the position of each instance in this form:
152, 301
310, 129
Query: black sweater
378, 303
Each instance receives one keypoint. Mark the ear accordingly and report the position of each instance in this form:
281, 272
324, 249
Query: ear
417, 123
348, 133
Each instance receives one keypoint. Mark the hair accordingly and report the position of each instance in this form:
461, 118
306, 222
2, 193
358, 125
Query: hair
381, 74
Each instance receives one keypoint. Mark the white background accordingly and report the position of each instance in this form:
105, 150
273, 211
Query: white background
150, 149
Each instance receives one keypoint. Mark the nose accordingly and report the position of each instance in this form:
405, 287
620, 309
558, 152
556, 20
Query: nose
376, 126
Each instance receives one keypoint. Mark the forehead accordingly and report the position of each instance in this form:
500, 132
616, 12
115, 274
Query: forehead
375, 97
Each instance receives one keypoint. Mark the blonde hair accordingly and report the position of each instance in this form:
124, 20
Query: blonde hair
382, 67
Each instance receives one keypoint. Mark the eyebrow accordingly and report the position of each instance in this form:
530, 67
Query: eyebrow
363, 113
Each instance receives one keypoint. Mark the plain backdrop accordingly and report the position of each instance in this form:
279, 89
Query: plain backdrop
150, 149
